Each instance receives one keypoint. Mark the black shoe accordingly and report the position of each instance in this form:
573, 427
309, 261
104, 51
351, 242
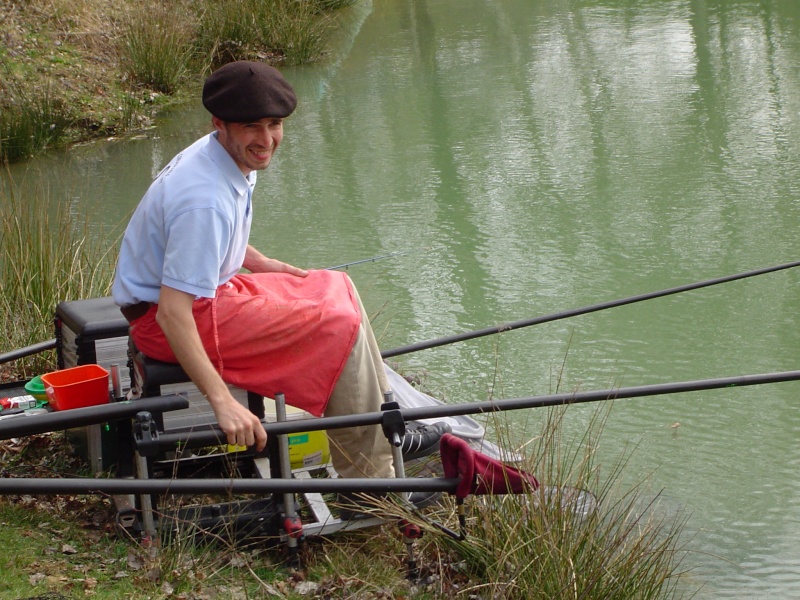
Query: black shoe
422, 441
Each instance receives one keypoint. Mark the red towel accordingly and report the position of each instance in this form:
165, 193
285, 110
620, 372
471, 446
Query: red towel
272, 332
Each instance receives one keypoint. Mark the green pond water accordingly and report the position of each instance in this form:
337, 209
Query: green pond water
525, 157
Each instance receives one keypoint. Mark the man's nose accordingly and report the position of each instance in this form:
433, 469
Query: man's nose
264, 137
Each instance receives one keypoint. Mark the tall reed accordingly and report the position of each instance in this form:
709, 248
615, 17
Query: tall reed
47, 254
287, 31
156, 50
32, 118
580, 535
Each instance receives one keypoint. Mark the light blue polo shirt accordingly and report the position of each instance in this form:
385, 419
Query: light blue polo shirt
190, 230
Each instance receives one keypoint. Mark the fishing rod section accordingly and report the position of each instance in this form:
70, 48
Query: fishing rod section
365, 260
469, 335
27, 351
460, 337
188, 487
213, 435
24, 425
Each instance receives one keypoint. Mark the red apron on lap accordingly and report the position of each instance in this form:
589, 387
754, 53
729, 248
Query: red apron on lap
272, 332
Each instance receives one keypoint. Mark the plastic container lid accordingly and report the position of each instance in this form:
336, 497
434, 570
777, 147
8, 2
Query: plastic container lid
35, 387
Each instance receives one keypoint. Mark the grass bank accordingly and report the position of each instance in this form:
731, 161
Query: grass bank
539, 545
72, 70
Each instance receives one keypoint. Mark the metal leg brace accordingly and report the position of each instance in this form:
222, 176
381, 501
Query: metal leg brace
394, 428
145, 430
291, 521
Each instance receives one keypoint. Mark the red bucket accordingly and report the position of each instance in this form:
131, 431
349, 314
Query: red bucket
85, 385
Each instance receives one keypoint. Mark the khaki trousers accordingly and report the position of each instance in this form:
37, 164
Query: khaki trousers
360, 451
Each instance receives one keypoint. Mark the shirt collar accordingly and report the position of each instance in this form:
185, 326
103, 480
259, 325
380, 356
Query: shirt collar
228, 166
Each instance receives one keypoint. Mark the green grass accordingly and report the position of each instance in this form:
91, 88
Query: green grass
47, 554
539, 546
159, 53
156, 51
66, 546
284, 31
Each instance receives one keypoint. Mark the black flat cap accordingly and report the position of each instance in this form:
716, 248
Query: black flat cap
246, 91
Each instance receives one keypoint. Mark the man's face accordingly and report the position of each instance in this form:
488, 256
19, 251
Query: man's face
251, 145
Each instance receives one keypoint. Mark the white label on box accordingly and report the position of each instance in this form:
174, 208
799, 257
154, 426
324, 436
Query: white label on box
22, 402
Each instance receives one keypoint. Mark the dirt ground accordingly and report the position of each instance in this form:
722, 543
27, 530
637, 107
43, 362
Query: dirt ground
69, 49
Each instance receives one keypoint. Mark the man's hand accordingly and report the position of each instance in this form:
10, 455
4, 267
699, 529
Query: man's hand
255, 262
241, 427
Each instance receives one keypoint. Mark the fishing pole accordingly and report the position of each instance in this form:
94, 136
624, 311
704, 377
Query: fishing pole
244, 486
365, 260
34, 485
460, 337
24, 425
214, 436
27, 351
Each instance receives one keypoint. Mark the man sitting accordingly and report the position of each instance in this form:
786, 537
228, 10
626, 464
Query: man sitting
274, 329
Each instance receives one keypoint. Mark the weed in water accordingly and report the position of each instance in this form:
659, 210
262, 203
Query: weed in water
47, 255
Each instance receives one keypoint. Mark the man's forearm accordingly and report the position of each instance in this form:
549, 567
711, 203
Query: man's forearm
177, 322
255, 262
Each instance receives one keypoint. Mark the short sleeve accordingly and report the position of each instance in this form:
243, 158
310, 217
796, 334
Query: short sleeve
197, 242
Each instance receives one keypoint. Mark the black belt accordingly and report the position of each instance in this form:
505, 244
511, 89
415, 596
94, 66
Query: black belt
134, 311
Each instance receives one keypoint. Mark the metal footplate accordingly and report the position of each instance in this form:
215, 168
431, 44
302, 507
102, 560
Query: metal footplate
324, 522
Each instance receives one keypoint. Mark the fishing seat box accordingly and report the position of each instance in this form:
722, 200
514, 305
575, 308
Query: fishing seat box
93, 331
